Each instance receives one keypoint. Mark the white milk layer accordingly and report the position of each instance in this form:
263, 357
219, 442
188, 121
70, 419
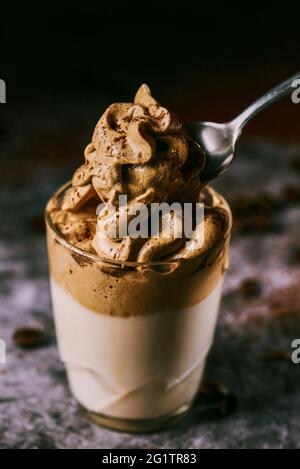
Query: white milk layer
138, 367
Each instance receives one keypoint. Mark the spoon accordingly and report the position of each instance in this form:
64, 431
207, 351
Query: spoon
218, 141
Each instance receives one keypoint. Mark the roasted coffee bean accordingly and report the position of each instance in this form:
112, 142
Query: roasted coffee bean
295, 163
250, 287
279, 354
37, 224
215, 399
29, 337
294, 257
291, 193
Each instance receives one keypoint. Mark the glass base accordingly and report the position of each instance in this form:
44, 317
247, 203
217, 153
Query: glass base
137, 425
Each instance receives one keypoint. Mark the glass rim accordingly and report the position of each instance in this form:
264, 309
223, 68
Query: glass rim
105, 260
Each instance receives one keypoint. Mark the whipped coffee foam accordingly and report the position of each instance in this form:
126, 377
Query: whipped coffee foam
140, 150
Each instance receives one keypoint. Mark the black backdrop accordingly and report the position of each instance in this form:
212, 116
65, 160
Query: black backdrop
199, 57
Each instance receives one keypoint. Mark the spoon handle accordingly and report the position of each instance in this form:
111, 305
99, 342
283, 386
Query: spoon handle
276, 93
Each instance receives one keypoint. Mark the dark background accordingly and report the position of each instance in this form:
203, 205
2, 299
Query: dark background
64, 63
205, 60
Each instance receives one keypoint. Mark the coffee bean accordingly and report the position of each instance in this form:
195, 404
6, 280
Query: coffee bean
282, 312
291, 193
28, 337
279, 354
37, 224
294, 257
215, 398
250, 287
228, 405
295, 163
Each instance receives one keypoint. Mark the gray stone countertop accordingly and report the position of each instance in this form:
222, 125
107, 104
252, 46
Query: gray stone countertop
251, 353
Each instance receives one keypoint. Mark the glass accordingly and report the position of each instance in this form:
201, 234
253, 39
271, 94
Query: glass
133, 336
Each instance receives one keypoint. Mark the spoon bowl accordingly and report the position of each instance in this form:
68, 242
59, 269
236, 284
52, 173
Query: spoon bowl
218, 141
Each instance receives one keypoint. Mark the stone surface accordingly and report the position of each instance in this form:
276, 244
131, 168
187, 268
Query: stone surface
253, 340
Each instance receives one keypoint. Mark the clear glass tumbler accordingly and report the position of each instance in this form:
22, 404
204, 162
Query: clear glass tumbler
134, 337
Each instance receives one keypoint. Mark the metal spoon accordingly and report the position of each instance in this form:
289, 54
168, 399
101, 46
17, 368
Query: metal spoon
219, 140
